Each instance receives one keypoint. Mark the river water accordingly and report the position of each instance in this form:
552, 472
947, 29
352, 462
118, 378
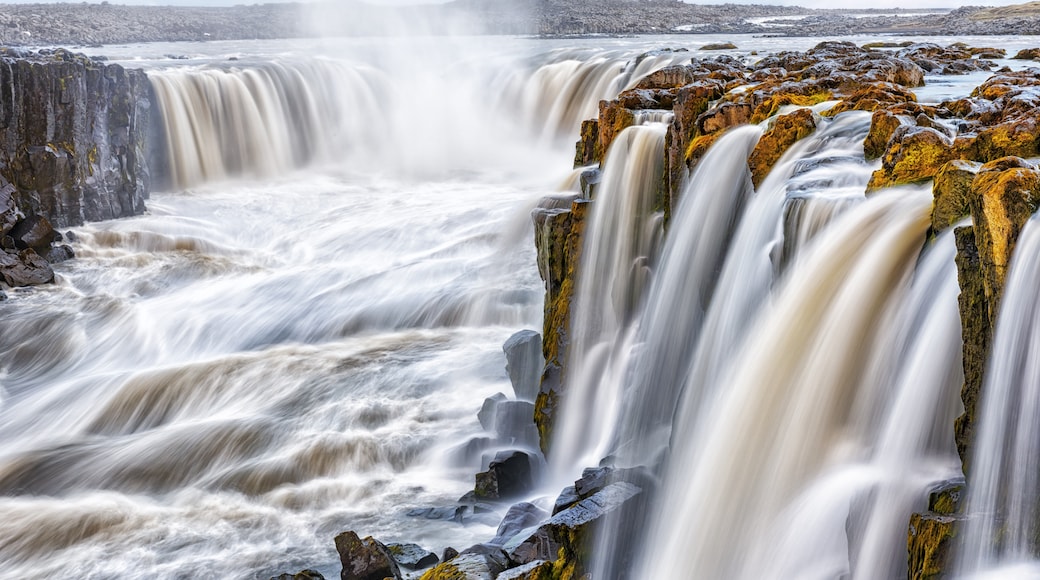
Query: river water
295, 341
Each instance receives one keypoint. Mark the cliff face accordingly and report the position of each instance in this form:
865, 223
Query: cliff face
73, 136
73, 139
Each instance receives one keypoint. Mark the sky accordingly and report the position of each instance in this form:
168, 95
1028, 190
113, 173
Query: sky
806, 3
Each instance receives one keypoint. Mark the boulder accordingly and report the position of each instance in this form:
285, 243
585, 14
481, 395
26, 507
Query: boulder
301, 575
519, 517
883, 125
462, 567
613, 119
9, 212
59, 254
488, 411
524, 363
785, 132
873, 97
719, 46
365, 559
26, 268
565, 536
412, 556
723, 117
508, 475
1027, 54
33, 232
914, 154
449, 554
537, 570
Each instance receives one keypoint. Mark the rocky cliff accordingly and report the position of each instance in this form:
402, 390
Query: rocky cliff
73, 139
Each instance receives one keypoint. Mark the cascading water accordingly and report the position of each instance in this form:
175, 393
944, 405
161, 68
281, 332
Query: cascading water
263, 120
749, 490
619, 244
1003, 493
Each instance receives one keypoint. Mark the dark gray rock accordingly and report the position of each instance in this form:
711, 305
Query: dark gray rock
536, 569
412, 556
366, 559
519, 517
301, 575
449, 553
514, 423
567, 498
9, 213
570, 527
508, 475
33, 232
494, 557
59, 254
524, 363
27, 268
487, 413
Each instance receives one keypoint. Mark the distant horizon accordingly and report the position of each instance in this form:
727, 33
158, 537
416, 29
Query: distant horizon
829, 4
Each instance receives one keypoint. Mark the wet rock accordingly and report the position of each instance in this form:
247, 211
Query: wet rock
1004, 194
914, 154
509, 475
976, 336
724, 116
719, 46
452, 513
514, 423
558, 237
537, 570
587, 181
873, 97
785, 132
646, 99
9, 213
33, 232
524, 363
449, 553
365, 559
567, 498
951, 189
945, 497
565, 535
669, 77
488, 411
59, 254
613, 119
1027, 54
462, 567
494, 557
26, 268
930, 544
519, 517
412, 556
301, 575
586, 150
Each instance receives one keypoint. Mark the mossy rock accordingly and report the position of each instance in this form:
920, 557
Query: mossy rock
586, 150
1005, 193
873, 97
1027, 54
914, 154
976, 336
723, 117
719, 46
930, 541
951, 190
771, 106
1017, 138
613, 119
462, 567
785, 132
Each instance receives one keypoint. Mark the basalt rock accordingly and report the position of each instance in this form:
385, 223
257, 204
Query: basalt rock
558, 238
462, 567
26, 268
586, 150
786, 131
365, 559
1027, 54
951, 189
73, 137
412, 556
976, 337
914, 154
524, 363
613, 119
508, 475
930, 543
873, 97
301, 575
1004, 194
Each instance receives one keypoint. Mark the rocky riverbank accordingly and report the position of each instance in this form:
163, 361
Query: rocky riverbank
971, 150
93, 24
74, 135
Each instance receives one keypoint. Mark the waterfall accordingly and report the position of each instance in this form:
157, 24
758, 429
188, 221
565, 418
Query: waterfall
762, 464
619, 244
264, 120
1003, 488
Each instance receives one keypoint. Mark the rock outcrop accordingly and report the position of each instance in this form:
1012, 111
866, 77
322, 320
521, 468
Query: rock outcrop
73, 143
